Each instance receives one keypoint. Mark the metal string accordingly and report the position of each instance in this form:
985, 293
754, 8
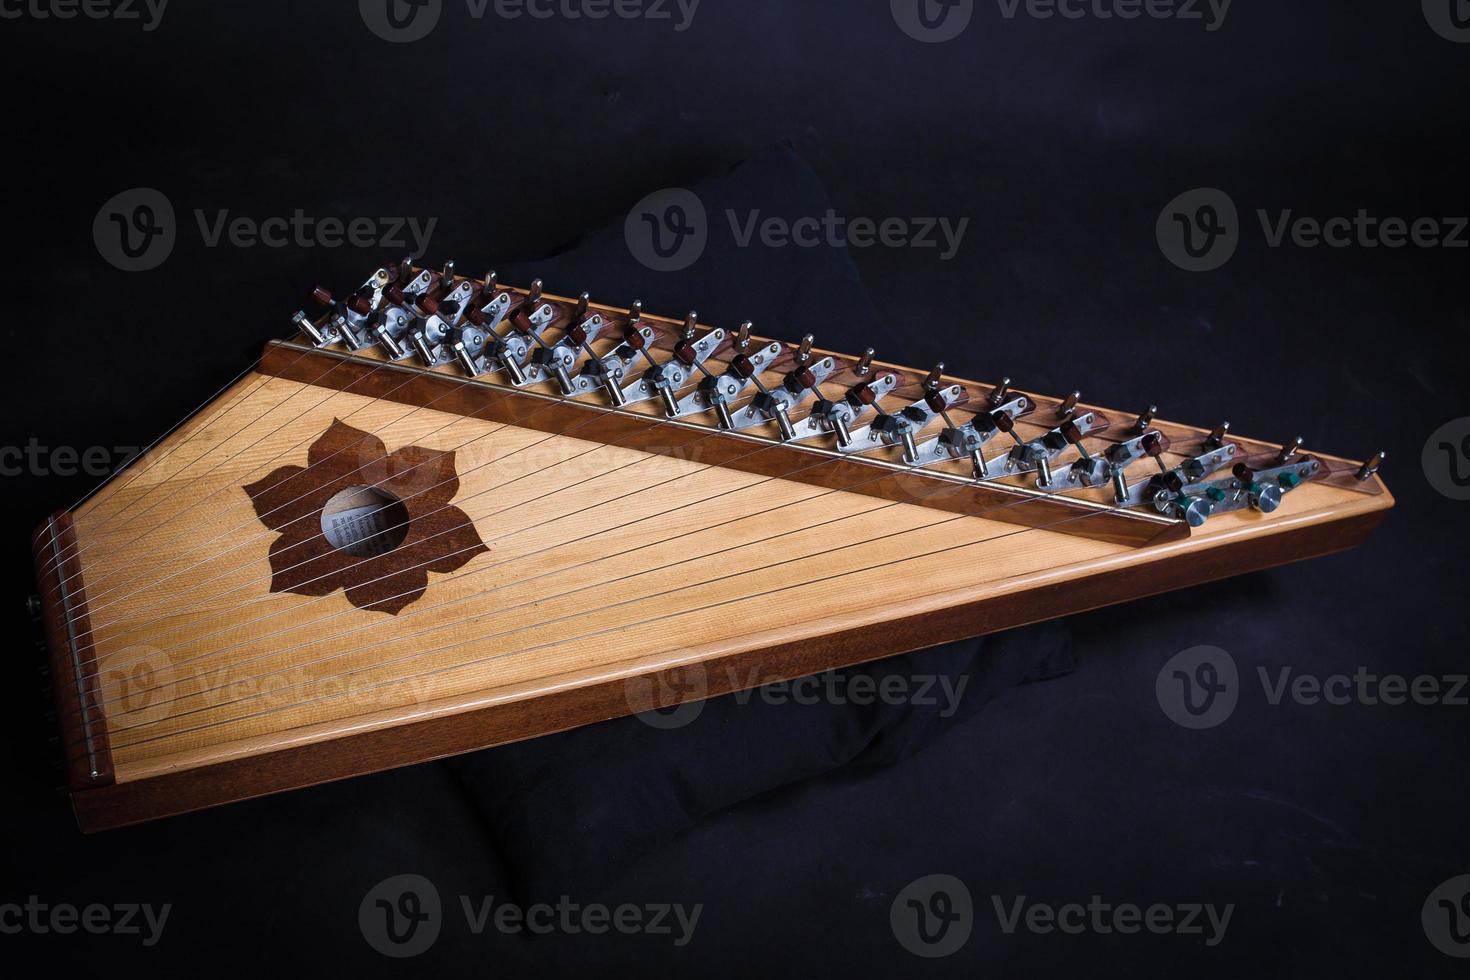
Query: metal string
480, 595
607, 630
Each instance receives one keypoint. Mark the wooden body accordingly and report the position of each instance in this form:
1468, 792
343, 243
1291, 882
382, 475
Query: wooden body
612, 579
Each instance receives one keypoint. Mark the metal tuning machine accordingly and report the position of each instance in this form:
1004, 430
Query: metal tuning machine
1037, 455
1258, 488
347, 321
511, 351
432, 336
718, 393
390, 324
1170, 491
664, 380
554, 361
837, 417
606, 373
800, 383
970, 439
903, 427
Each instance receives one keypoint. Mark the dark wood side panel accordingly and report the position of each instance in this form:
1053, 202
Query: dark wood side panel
446, 393
127, 803
74, 682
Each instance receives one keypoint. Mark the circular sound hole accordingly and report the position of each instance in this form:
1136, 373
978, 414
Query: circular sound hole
365, 521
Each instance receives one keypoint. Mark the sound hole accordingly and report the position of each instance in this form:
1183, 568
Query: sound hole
365, 521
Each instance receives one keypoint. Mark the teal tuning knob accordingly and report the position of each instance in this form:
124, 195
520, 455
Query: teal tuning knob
1289, 481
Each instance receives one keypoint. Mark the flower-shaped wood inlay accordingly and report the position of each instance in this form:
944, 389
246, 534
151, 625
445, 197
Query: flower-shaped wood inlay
419, 484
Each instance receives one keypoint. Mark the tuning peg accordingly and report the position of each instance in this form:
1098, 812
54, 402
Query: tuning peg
390, 343
691, 322
804, 352
583, 301
534, 295
487, 285
1154, 444
421, 345
1145, 420
465, 360
1366, 471
865, 363
303, 322
1289, 451
448, 273
1069, 404
999, 392
742, 339
1217, 435
936, 376
1073, 435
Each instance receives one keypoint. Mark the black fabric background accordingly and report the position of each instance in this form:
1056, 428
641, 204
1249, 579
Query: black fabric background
1061, 141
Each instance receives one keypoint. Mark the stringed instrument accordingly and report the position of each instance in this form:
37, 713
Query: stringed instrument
452, 513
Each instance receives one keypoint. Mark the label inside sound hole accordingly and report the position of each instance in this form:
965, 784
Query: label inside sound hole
365, 521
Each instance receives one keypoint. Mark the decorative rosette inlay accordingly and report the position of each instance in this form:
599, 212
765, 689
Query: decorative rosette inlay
365, 521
